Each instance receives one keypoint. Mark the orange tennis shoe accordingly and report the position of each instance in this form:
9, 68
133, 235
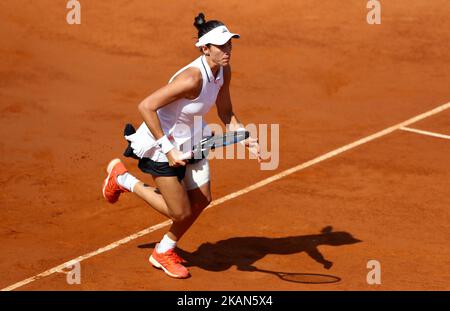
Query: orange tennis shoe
170, 262
111, 189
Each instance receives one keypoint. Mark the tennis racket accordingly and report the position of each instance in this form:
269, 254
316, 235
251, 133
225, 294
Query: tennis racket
201, 149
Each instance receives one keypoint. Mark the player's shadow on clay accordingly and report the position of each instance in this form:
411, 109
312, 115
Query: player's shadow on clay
243, 252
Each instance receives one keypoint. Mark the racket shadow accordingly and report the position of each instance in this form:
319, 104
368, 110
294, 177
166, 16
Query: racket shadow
298, 277
244, 252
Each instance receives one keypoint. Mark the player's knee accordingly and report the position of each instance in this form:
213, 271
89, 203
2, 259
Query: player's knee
181, 215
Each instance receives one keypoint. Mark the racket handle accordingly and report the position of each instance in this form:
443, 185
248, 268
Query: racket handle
187, 155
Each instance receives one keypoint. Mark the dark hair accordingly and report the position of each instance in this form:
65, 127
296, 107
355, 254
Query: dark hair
203, 26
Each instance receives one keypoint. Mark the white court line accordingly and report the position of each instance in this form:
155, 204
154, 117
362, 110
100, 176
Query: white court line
233, 195
408, 129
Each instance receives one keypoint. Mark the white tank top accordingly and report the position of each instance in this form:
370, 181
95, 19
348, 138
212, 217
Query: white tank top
180, 120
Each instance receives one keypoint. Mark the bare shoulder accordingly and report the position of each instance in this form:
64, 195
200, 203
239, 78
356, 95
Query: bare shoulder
191, 76
189, 81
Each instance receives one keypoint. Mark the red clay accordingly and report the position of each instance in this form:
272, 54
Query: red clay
316, 68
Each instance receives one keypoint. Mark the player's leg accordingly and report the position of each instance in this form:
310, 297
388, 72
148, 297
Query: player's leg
199, 199
179, 208
177, 200
119, 180
196, 180
197, 183
152, 196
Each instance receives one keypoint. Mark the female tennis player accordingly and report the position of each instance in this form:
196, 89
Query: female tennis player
171, 116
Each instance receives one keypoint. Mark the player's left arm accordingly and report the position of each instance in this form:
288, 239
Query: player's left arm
224, 105
226, 114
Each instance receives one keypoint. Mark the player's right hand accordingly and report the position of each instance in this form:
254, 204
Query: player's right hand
175, 158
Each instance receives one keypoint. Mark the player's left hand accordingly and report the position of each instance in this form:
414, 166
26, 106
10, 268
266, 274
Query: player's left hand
253, 146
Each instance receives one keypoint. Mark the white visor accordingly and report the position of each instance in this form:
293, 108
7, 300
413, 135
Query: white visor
218, 36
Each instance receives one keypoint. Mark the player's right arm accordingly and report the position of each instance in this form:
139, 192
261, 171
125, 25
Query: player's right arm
187, 84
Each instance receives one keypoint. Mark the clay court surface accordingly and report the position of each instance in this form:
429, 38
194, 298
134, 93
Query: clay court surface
314, 67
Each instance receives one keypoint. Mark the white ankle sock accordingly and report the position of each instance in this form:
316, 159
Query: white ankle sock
127, 181
166, 244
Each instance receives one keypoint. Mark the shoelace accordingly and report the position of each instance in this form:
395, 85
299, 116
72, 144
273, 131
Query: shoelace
175, 257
